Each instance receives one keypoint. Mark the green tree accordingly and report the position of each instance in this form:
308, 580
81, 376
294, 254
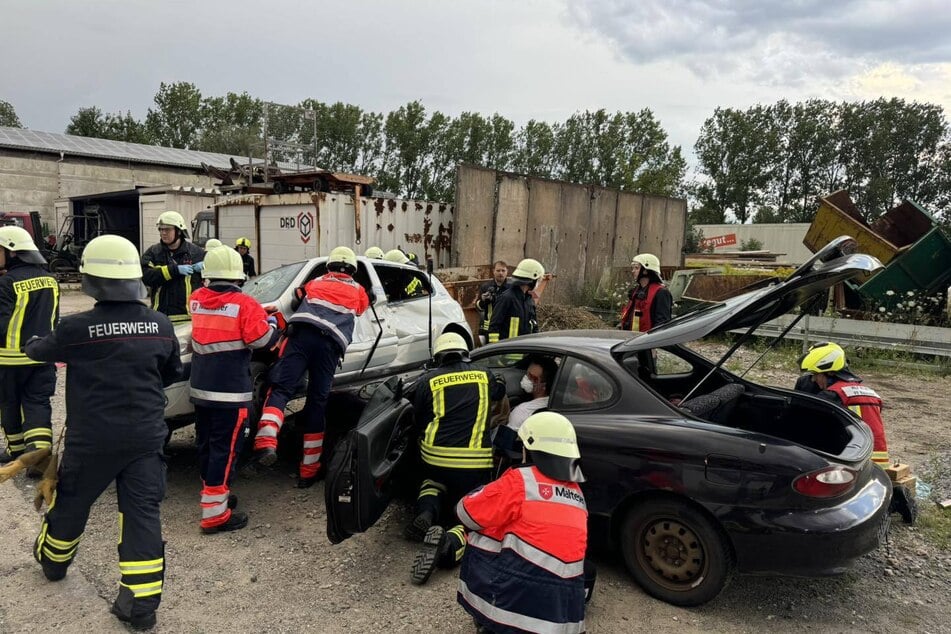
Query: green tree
534, 149
231, 124
87, 121
8, 115
91, 122
177, 119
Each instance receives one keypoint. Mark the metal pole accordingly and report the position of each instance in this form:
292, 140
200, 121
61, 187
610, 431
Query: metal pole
265, 143
315, 139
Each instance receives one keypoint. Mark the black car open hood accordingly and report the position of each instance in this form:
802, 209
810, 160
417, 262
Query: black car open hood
756, 307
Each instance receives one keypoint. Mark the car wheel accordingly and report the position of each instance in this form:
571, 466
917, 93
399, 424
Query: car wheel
676, 553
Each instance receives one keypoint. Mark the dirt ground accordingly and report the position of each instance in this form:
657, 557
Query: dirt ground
282, 575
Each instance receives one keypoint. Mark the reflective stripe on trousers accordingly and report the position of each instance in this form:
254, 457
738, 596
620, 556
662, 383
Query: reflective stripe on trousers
310, 460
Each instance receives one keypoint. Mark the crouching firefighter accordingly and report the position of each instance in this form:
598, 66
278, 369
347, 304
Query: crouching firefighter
29, 307
452, 405
120, 355
318, 334
226, 325
524, 569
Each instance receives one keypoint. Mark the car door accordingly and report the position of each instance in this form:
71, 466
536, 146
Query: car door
408, 315
360, 471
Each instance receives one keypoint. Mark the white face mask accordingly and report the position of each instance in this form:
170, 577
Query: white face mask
526, 384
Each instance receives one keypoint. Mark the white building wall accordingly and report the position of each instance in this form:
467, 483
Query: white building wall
782, 238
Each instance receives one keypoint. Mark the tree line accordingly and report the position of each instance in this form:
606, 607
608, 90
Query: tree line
766, 163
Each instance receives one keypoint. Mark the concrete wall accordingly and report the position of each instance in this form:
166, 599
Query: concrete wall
783, 238
579, 232
33, 181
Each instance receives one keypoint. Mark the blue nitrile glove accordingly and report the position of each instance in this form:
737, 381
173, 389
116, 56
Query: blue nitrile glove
198, 266
271, 319
185, 269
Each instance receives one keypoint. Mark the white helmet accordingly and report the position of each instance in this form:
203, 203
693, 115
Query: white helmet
223, 263
111, 270
212, 243
171, 219
550, 438
397, 256
342, 259
528, 271
374, 253
648, 262
19, 241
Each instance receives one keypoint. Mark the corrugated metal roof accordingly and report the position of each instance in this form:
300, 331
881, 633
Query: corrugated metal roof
21, 139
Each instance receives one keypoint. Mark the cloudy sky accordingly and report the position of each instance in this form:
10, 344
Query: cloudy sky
524, 58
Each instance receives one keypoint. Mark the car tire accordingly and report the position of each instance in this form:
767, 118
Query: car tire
675, 553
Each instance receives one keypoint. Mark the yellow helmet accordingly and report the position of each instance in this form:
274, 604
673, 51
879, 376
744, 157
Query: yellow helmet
342, 259
397, 256
171, 219
823, 357
648, 262
242, 242
19, 240
374, 253
528, 270
111, 269
223, 263
449, 342
212, 243
551, 439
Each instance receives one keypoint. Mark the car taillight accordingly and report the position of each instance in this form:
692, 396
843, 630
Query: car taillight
825, 483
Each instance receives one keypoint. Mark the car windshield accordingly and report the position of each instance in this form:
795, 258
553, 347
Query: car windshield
269, 286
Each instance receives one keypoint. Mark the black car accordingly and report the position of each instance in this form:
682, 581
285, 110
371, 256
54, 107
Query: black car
693, 473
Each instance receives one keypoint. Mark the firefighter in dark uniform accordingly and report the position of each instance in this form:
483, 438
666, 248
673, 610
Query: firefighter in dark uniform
29, 306
226, 325
243, 246
405, 289
453, 402
172, 268
649, 302
488, 293
524, 568
120, 355
318, 334
514, 311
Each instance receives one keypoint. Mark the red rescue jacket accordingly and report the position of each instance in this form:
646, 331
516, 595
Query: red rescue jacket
636, 315
332, 302
865, 402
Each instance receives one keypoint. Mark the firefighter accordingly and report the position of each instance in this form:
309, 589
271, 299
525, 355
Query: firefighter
29, 306
514, 311
374, 253
318, 334
226, 325
120, 355
243, 246
172, 267
412, 288
649, 302
488, 293
452, 405
524, 568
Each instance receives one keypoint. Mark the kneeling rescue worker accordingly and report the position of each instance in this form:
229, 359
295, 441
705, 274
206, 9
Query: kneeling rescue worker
29, 307
318, 334
524, 569
115, 433
452, 405
226, 325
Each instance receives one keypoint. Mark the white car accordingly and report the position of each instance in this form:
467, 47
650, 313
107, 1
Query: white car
392, 338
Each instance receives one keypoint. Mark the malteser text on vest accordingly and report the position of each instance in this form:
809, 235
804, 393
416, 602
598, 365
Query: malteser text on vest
123, 328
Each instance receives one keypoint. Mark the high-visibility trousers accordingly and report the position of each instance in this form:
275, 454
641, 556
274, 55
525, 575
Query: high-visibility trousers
25, 411
220, 432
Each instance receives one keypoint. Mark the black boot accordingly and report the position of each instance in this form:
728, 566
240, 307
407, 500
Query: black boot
237, 521
265, 457
8, 456
435, 546
138, 623
904, 504
232, 501
417, 529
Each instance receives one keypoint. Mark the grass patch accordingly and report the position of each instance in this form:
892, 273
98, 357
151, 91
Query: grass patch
935, 524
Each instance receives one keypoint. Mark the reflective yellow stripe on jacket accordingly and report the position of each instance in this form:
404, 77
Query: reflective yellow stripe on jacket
474, 455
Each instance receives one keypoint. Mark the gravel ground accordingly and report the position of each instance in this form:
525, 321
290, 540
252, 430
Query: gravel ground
282, 575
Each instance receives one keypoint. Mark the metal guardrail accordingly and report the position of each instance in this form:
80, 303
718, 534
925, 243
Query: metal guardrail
929, 340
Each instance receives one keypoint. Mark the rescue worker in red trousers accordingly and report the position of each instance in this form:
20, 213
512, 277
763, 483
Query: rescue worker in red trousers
172, 268
523, 570
514, 310
226, 326
453, 402
649, 302
318, 334
29, 306
119, 356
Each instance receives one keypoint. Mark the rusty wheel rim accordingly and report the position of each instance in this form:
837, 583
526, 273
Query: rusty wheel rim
672, 554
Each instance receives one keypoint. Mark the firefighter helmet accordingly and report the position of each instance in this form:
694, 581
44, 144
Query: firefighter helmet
550, 439
342, 260
374, 253
449, 343
823, 357
648, 262
111, 270
19, 241
223, 263
397, 256
242, 242
528, 271
172, 219
212, 243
